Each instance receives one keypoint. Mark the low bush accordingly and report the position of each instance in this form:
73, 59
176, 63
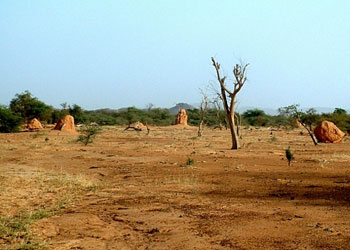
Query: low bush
9, 121
88, 134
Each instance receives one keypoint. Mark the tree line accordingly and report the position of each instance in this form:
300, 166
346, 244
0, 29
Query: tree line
24, 106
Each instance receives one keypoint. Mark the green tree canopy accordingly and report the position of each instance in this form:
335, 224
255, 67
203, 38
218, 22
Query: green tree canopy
9, 121
29, 107
339, 111
77, 112
255, 117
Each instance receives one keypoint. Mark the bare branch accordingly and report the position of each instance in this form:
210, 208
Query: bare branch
221, 80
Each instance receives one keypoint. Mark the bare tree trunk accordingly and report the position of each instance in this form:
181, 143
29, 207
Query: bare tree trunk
200, 128
309, 130
203, 110
233, 130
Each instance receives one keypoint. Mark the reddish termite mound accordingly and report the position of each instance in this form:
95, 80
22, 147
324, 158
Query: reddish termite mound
65, 124
329, 133
34, 124
181, 117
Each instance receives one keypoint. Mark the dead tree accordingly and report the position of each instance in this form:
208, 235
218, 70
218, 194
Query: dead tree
203, 110
228, 97
133, 127
217, 107
136, 127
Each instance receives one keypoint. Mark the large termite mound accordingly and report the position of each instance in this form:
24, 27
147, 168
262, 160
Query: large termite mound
329, 133
181, 117
65, 124
34, 124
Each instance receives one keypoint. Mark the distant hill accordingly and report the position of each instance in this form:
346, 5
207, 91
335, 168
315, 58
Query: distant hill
177, 107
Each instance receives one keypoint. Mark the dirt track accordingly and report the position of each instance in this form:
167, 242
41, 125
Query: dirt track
149, 199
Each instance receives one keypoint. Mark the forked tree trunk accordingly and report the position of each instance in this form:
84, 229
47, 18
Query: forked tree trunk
239, 74
234, 135
200, 128
309, 130
230, 113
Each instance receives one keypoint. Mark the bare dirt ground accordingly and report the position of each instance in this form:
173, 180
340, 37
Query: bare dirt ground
129, 190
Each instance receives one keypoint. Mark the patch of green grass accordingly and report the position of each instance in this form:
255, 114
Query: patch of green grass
273, 139
15, 231
190, 161
88, 134
37, 134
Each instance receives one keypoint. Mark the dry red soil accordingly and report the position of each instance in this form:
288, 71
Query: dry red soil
148, 198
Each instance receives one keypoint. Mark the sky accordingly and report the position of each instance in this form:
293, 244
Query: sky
113, 54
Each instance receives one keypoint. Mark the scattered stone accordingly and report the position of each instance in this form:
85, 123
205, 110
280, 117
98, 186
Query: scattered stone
93, 167
181, 117
327, 132
153, 230
329, 229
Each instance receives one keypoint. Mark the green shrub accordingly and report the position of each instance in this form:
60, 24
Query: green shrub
289, 156
273, 139
255, 117
77, 112
9, 121
88, 134
190, 161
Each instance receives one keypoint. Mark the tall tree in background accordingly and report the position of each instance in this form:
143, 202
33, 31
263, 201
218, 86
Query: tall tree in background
228, 97
30, 107
77, 112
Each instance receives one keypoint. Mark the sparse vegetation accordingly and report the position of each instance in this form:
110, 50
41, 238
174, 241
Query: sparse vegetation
88, 134
273, 139
15, 229
190, 161
289, 156
306, 119
26, 106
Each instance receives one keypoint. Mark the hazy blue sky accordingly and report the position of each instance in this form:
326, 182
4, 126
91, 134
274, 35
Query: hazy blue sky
129, 53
